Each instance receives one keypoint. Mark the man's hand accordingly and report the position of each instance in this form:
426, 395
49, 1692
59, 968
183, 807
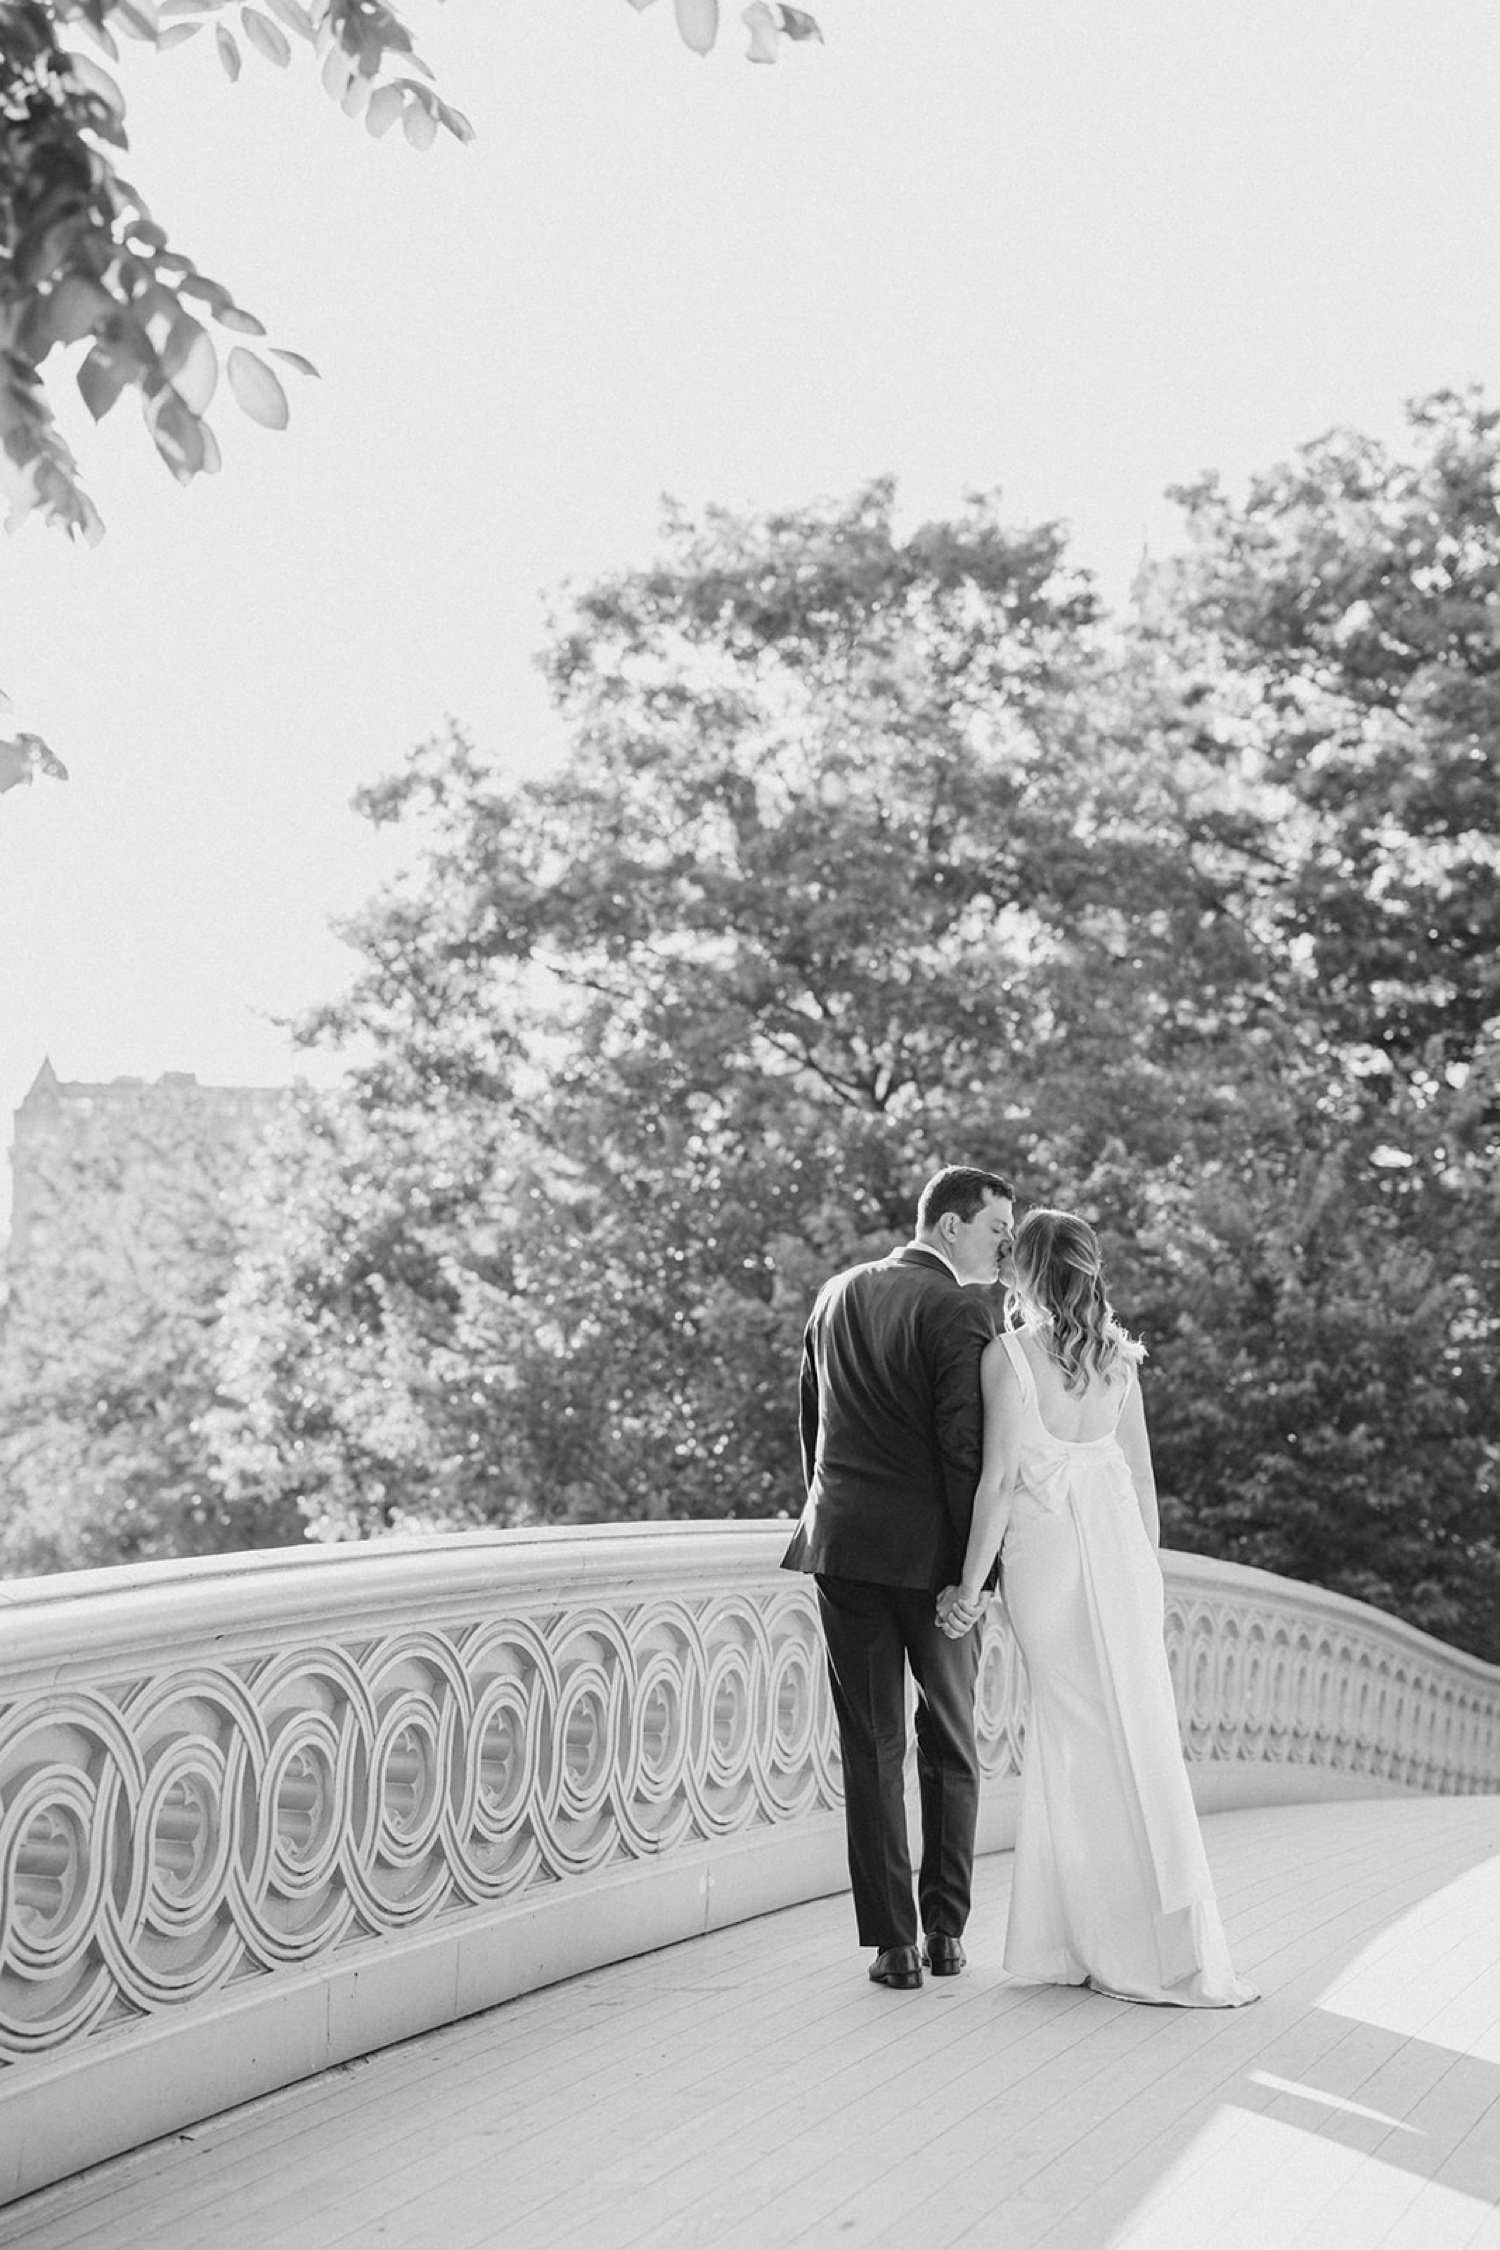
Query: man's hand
955, 1615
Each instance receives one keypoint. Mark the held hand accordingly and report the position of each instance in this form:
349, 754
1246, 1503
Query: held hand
956, 1615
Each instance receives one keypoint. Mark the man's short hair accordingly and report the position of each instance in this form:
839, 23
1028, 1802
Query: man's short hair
961, 1188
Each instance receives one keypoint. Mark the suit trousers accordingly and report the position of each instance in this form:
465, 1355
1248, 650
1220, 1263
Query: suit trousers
872, 1633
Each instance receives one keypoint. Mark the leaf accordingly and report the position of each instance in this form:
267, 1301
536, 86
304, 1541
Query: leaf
764, 28
385, 107
192, 363
243, 323
356, 98
44, 758
798, 24
295, 359
103, 38
158, 311
101, 378
295, 17
213, 293
138, 18
456, 122
15, 766
258, 389
419, 126
229, 53
267, 37
178, 434
175, 34
337, 72
42, 255
698, 23
24, 758
96, 80
75, 307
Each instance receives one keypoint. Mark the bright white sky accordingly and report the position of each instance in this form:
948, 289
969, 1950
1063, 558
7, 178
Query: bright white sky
1079, 249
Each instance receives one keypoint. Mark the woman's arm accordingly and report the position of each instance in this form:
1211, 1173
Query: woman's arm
1001, 1393
1136, 1447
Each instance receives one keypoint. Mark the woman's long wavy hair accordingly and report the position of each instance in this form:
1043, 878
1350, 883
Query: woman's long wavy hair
1060, 1283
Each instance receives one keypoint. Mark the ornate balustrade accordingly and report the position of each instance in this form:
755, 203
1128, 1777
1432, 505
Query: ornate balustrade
262, 1813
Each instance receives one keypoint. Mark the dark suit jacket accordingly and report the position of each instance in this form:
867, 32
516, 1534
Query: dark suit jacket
891, 1423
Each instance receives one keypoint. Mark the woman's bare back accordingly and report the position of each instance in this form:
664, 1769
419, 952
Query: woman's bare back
1076, 1417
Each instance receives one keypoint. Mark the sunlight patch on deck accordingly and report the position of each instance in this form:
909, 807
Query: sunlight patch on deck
1247, 2181
1434, 1973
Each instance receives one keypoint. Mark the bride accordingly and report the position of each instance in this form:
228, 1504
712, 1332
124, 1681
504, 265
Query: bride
1111, 1885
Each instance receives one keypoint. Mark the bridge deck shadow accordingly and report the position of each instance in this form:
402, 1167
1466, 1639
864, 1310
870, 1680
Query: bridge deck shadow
752, 2089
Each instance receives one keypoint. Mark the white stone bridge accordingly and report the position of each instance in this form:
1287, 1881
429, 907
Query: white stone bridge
343, 1895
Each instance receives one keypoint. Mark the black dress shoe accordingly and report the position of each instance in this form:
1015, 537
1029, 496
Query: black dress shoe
945, 1956
899, 1966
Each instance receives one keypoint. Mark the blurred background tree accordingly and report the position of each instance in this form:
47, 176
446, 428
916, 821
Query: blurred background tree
126, 1234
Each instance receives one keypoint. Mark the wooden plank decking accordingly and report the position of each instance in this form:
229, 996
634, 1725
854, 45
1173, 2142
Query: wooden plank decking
752, 2090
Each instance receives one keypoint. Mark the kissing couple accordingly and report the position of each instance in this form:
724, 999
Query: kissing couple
941, 1456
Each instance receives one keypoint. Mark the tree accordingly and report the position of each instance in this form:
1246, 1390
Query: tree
82, 260
871, 853
127, 1232
81, 256
1342, 628
1328, 1392
846, 874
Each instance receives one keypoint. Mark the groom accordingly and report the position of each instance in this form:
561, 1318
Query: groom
891, 1433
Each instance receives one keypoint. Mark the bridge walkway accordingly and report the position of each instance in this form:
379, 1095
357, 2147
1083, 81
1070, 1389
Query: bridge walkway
751, 2090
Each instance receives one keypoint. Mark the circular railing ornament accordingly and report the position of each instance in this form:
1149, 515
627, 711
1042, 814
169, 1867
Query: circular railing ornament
200, 1799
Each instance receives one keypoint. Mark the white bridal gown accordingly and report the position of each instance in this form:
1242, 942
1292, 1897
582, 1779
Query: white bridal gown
1111, 1886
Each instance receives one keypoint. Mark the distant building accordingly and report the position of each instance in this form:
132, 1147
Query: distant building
123, 1204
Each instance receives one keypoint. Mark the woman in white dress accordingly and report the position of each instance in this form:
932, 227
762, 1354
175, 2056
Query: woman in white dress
1111, 1886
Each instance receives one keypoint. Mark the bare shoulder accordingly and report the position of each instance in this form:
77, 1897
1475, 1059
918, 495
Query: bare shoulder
1134, 1405
997, 1367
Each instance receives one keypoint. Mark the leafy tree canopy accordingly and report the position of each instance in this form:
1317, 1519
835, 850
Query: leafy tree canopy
108, 1363
1339, 634
739, 947
1328, 1383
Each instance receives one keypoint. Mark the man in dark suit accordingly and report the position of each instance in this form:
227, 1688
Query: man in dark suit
891, 1431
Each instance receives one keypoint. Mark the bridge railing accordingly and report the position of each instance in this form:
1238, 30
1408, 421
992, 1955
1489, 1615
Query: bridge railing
262, 1813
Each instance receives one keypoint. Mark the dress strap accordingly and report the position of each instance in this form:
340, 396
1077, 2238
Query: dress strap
1022, 1366
1125, 1388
